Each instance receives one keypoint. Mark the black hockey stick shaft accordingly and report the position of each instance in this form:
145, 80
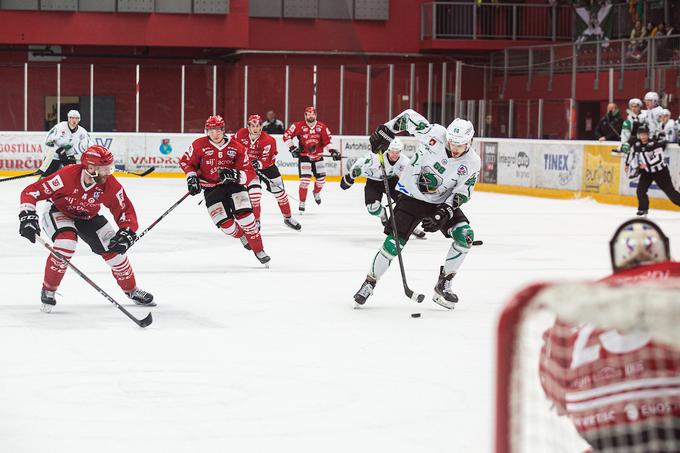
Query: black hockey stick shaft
263, 176
142, 174
35, 173
168, 211
408, 291
140, 322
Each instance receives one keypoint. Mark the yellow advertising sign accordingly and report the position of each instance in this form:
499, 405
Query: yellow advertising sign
600, 169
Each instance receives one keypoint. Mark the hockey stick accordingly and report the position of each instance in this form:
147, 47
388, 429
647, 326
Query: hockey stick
408, 291
35, 173
263, 176
142, 174
155, 222
140, 322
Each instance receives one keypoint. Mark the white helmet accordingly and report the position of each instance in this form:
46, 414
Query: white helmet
460, 132
665, 112
635, 101
73, 114
652, 96
636, 242
396, 145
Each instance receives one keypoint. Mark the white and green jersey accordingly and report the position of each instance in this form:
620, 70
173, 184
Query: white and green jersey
61, 136
629, 130
651, 117
432, 175
670, 131
369, 166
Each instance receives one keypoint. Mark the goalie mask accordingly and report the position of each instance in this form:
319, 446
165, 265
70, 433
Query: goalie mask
636, 242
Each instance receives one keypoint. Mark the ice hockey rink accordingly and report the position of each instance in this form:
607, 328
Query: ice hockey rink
246, 359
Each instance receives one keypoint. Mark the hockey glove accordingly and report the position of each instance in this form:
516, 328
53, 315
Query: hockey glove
28, 225
256, 164
442, 214
346, 182
64, 158
381, 139
229, 175
193, 185
295, 152
122, 241
335, 154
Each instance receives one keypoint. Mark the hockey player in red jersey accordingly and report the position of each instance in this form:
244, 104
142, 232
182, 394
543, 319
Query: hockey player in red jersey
76, 193
223, 169
314, 138
262, 153
621, 390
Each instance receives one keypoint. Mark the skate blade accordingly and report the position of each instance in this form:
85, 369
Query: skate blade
46, 308
437, 299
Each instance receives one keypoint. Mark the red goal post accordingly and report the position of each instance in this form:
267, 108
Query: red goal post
527, 420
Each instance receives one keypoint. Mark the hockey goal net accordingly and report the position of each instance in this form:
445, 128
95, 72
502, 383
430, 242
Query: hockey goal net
590, 367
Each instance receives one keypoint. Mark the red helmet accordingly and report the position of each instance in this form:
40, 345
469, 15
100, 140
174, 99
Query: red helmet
310, 109
214, 122
255, 118
96, 155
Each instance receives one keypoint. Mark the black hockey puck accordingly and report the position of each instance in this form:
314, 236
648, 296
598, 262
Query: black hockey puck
415, 315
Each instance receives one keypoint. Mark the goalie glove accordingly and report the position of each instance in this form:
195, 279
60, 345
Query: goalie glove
381, 139
442, 214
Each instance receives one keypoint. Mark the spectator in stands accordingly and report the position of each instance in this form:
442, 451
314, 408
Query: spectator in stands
637, 40
609, 127
272, 125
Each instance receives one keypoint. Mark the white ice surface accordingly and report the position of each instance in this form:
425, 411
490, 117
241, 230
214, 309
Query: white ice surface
245, 359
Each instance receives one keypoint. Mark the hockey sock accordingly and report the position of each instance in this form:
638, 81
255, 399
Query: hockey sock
65, 243
462, 236
284, 206
247, 222
384, 257
255, 193
319, 183
121, 270
304, 184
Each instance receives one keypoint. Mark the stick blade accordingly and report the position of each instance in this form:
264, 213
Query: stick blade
414, 296
147, 171
146, 321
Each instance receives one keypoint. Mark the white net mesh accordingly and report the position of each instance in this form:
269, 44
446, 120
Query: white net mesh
574, 386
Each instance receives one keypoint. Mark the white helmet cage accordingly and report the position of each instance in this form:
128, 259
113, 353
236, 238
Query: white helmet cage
636, 242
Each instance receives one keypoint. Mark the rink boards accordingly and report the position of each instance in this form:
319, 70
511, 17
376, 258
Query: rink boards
551, 168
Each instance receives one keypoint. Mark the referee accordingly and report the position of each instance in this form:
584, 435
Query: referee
648, 156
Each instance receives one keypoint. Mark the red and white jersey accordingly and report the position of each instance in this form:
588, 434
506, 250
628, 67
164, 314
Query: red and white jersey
68, 192
313, 139
603, 379
204, 158
261, 149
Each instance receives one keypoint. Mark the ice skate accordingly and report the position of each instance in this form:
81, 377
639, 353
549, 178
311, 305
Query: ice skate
442, 291
244, 241
292, 223
141, 297
48, 300
364, 292
641, 213
263, 258
317, 197
301, 208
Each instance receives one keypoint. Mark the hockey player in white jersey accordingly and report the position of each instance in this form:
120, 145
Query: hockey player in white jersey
668, 126
630, 125
438, 180
64, 144
369, 166
652, 113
